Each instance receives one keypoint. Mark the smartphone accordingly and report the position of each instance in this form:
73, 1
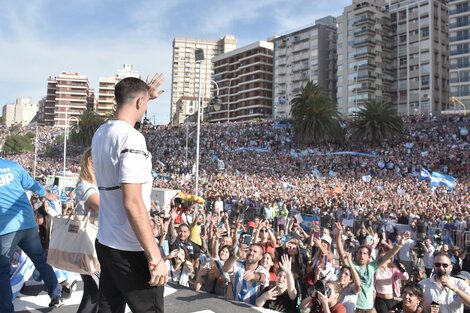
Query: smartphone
203, 230
247, 239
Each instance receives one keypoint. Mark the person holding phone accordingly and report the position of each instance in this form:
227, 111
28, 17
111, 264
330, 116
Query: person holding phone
326, 300
449, 294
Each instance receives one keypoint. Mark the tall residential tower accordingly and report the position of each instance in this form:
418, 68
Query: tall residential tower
420, 55
300, 56
459, 46
185, 73
364, 55
245, 78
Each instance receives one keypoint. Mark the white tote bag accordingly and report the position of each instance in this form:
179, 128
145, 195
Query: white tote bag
72, 244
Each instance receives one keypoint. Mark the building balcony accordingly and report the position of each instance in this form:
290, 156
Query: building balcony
459, 65
459, 38
366, 42
361, 32
364, 20
361, 55
459, 24
462, 51
459, 10
459, 80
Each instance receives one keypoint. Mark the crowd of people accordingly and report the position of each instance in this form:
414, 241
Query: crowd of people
346, 227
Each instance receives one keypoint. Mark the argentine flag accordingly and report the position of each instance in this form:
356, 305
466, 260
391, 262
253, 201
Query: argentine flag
438, 179
424, 174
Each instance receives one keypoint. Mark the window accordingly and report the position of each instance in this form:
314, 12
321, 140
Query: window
425, 32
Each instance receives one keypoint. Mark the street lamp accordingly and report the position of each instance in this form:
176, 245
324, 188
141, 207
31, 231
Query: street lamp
65, 140
215, 101
199, 55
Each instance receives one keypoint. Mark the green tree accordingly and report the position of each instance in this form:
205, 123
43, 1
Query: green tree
315, 117
82, 133
376, 121
53, 151
16, 144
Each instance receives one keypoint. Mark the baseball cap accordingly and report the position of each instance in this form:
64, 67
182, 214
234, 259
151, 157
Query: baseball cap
326, 239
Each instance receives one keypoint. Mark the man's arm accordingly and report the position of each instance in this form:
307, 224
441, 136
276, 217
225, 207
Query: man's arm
339, 240
140, 222
228, 265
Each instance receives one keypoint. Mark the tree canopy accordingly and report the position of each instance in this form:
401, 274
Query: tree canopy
315, 117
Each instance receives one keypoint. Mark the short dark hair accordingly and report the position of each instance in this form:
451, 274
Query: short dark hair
183, 225
443, 254
258, 245
369, 249
127, 89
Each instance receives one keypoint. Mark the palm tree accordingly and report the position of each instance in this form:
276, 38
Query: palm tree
315, 117
82, 133
376, 121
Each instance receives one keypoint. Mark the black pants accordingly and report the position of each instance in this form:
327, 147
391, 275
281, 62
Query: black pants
89, 303
383, 306
124, 279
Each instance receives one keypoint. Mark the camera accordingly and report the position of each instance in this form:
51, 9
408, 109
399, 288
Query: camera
419, 249
322, 288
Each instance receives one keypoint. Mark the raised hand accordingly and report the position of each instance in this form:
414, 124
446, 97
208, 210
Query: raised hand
347, 259
339, 228
286, 263
154, 84
271, 294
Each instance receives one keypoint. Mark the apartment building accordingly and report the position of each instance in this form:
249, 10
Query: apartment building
68, 95
364, 48
459, 47
106, 102
185, 73
21, 112
244, 77
300, 56
420, 55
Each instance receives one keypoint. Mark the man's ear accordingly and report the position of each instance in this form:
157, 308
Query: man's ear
139, 102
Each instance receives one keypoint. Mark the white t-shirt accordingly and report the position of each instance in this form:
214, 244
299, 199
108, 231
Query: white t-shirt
348, 298
428, 257
120, 156
83, 191
404, 253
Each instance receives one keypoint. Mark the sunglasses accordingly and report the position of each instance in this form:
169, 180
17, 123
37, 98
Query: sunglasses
444, 265
263, 230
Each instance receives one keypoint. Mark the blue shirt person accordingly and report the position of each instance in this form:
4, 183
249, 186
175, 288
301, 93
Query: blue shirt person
18, 229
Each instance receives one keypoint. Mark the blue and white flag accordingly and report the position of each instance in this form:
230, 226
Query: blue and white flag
316, 172
367, 178
438, 179
424, 174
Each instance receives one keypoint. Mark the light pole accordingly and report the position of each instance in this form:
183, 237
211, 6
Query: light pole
35, 152
199, 54
65, 141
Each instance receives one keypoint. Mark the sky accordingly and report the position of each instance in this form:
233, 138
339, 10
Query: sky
42, 38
